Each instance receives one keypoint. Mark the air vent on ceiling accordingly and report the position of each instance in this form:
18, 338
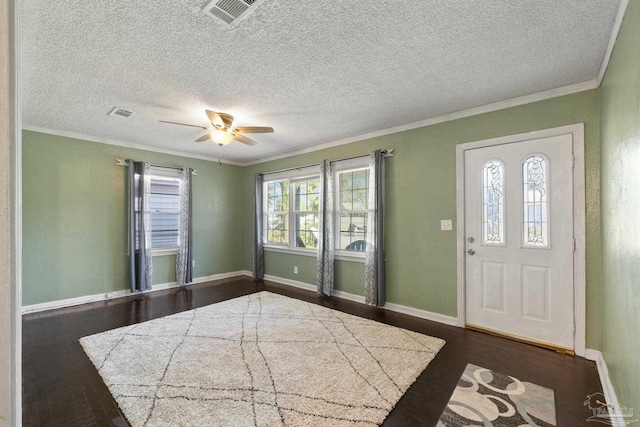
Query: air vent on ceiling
120, 112
231, 11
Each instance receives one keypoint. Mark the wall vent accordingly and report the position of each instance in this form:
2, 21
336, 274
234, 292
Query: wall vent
120, 112
230, 11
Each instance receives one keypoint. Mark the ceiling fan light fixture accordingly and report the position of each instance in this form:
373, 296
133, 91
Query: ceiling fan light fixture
221, 137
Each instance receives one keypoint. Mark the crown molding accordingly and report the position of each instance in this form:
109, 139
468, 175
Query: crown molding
488, 108
617, 24
74, 135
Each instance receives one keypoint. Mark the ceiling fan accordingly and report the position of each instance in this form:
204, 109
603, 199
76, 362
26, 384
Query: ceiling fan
221, 130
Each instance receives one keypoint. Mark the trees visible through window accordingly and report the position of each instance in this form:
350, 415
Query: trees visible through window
277, 212
292, 202
305, 211
352, 209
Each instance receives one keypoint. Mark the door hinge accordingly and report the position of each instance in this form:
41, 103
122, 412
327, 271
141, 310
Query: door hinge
573, 161
574, 244
574, 328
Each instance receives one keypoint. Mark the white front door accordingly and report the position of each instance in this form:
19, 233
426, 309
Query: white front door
519, 239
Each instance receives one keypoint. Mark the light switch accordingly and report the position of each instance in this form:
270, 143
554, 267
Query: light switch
446, 225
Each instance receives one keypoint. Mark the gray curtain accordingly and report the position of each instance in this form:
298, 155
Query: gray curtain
374, 272
258, 232
140, 260
184, 259
326, 246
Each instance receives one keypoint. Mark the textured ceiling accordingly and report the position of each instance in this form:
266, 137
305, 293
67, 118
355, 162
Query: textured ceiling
317, 71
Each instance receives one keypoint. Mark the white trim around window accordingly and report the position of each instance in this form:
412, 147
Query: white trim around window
307, 173
291, 177
344, 166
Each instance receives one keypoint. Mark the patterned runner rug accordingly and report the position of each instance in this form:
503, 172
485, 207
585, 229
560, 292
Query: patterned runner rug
487, 398
261, 359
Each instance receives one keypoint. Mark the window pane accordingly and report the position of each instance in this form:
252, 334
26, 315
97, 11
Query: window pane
353, 227
346, 200
164, 208
277, 196
164, 230
306, 230
492, 203
360, 179
278, 228
346, 178
534, 196
360, 199
307, 195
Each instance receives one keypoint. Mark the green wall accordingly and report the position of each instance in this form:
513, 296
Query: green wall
620, 142
421, 190
74, 234
74, 218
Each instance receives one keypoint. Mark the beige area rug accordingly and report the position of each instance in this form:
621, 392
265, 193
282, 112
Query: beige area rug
259, 360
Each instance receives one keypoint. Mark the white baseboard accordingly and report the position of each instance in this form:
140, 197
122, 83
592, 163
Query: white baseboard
607, 385
398, 308
70, 302
294, 283
423, 314
348, 296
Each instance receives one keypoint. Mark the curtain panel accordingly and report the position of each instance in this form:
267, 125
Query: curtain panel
326, 246
258, 231
374, 268
140, 259
184, 259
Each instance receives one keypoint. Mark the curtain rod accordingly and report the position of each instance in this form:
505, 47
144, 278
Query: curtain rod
122, 162
385, 153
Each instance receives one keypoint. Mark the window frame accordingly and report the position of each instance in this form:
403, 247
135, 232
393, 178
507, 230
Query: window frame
292, 177
293, 212
307, 173
344, 166
547, 181
266, 213
167, 174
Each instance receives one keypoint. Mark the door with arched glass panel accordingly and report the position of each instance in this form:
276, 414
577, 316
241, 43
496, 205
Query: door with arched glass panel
519, 239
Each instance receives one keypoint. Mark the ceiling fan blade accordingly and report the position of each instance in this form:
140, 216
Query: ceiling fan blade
227, 119
243, 139
184, 124
214, 117
254, 129
204, 137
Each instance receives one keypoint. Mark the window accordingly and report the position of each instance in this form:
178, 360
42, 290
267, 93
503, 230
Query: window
164, 210
277, 212
292, 202
352, 210
492, 203
305, 213
534, 196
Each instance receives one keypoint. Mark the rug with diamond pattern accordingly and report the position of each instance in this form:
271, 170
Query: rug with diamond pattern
259, 360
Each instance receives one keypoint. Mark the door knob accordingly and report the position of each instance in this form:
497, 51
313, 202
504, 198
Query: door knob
471, 252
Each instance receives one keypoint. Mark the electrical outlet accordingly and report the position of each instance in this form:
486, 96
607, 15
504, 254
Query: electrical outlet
446, 225
295, 269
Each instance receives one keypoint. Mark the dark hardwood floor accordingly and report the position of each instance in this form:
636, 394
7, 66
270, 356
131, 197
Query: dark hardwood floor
62, 388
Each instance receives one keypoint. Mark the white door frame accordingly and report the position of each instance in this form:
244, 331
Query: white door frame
11, 221
579, 211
